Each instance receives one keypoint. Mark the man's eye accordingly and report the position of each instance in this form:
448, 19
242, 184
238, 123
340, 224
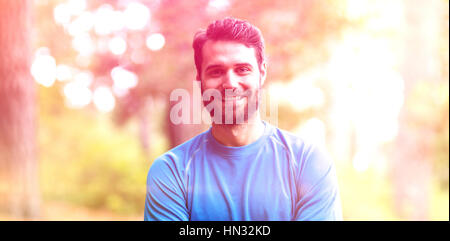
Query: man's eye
242, 70
215, 72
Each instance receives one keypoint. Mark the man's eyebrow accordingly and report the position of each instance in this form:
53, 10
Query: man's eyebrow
244, 64
219, 65
213, 66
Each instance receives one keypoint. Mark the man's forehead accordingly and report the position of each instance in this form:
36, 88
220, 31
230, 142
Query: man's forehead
217, 52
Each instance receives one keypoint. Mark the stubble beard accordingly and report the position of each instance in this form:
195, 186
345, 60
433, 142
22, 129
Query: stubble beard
250, 108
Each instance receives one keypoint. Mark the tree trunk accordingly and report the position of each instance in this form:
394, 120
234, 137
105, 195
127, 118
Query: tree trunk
180, 133
19, 192
145, 124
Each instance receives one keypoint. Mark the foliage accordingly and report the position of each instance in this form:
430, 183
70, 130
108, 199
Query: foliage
86, 160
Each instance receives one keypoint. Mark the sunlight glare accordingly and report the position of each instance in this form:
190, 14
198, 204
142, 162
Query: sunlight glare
313, 130
300, 94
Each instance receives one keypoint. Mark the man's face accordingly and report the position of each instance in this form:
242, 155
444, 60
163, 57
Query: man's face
231, 68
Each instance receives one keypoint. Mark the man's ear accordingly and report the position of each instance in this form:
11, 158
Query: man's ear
263, 72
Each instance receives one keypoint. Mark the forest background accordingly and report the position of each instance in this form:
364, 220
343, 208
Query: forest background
85, 85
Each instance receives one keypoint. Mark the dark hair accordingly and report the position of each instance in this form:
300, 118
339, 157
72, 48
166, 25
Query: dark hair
229, 29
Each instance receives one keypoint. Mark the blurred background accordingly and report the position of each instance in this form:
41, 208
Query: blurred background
84, 98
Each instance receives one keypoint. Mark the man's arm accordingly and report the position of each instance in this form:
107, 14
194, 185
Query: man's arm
165, 199
318, 191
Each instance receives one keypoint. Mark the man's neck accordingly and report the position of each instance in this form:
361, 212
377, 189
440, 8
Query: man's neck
238, 134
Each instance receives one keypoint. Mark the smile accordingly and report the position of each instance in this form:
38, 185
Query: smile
232, 98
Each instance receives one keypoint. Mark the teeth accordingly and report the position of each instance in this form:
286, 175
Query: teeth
232, 98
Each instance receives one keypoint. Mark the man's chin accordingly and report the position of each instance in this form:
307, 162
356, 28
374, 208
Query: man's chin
236, 114
235, 101
234, 118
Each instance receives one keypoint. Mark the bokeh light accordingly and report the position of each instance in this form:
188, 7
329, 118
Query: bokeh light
136, 16
215, 6
108, 20
78, 94
61, 14
64, 72
43, 68
104, 99
81, 24
83, 44
117, 45
123, 80
155, 41
76, 6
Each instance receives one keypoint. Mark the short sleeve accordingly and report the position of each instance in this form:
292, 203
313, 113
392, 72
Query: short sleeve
317, 188
165, 198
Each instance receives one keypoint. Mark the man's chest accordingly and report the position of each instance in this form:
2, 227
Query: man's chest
255, 192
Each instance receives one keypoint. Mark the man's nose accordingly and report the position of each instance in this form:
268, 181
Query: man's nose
230, 80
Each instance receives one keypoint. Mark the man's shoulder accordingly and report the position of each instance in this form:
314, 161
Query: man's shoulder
177, 157
290, 140
302, 148
311, 158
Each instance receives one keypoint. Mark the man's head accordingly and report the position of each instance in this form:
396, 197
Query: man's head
229, 29
229, 57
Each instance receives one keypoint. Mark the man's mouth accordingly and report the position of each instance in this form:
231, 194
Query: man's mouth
232, 98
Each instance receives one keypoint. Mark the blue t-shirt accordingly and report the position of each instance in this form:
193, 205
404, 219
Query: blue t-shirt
277, 177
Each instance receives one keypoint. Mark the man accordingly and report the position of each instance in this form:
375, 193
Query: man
242, 168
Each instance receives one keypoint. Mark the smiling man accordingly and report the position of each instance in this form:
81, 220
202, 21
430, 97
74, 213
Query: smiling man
242, 168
